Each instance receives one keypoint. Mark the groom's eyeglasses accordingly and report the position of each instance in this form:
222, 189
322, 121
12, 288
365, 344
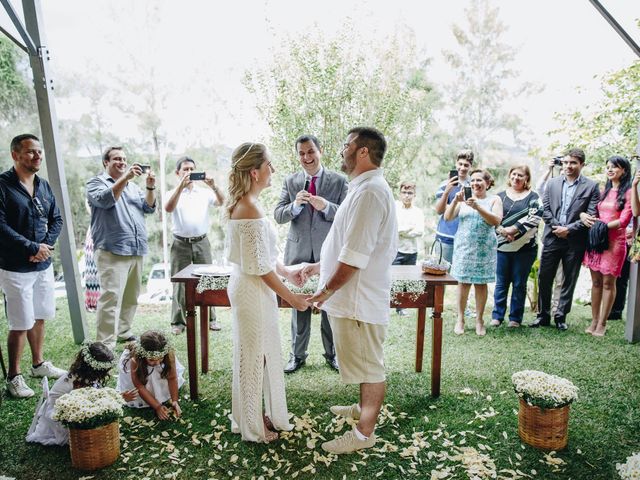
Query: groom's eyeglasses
38, 206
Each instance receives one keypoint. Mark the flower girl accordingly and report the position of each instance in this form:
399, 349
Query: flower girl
151, 367
90, 369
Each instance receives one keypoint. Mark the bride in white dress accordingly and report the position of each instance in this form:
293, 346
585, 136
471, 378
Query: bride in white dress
252, 249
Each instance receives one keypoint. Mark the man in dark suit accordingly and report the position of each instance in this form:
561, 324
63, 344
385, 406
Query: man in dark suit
565, 236
309, 200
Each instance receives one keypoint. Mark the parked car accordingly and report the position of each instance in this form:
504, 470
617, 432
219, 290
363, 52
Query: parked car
158, 279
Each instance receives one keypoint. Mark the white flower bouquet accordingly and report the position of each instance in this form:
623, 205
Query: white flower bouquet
542, 390
87, 408
631, 469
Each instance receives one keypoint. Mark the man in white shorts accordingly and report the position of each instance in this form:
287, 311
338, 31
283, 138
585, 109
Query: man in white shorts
355, 283
30, 223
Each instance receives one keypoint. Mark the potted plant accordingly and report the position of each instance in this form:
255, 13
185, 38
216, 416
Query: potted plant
543, 416
91, 414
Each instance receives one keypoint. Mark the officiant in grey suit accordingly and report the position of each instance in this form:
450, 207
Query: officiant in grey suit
565, 236
309, 200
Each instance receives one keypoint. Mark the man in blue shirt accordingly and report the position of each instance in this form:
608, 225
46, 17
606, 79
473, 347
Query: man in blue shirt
119, 235
444, 196
30, 223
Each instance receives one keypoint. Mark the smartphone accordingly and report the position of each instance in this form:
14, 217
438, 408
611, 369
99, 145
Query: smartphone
197, 176
467, 193
306, 185
453, 173
145, 168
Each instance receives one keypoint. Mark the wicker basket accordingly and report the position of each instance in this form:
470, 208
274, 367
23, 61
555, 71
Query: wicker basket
95, 448
544, 428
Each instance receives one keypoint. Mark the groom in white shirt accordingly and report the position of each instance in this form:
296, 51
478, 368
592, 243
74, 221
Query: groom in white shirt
355, 283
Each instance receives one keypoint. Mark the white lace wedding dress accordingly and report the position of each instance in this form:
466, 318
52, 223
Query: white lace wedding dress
257, 355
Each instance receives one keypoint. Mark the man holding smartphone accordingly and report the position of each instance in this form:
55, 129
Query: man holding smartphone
118, 207
445, 195
189, 205
309, 200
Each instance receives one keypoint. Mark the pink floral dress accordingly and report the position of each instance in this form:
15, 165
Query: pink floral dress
611, 260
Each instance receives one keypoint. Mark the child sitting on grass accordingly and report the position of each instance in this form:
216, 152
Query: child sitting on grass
151, 367
90, 369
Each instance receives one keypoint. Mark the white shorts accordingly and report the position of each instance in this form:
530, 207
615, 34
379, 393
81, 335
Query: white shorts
29, 295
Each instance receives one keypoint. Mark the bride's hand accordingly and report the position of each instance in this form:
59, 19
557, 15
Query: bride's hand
299, 302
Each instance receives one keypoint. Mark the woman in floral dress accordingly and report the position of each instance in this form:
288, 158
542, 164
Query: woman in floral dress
475, 244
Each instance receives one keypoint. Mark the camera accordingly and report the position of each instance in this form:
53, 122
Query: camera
557, 161
197, 176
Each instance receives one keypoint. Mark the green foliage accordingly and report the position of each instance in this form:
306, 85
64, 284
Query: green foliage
611, 126
484, 79
15, 93
325, 87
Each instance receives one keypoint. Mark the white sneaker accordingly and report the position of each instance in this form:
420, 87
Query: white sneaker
18, 388
348, 411
177, 329
348, 443
46, 369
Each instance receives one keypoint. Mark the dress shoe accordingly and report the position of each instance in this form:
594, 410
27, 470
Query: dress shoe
293, 365
540, 323
333, 363
131, 338
562, 326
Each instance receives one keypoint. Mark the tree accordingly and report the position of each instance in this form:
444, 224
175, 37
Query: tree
484, 79
325, 87
609, 127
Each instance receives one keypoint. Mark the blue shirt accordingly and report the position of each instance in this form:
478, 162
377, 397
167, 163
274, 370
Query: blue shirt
568, 190
447, 230
118, 226
26, 222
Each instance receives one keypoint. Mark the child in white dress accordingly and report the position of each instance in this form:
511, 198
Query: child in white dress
90, 369
151, 367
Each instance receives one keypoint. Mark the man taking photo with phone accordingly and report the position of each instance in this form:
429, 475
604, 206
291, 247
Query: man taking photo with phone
309, 200
189, 205
445, 195
118, 207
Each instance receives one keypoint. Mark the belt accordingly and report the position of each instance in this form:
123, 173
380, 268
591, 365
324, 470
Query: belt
190, 239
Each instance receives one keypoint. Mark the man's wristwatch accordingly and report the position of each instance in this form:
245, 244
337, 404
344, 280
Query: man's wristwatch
327, 291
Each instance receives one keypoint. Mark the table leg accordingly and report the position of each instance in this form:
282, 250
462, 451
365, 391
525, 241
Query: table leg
204, 338
422, 313
191, 352
192, 362
436, 339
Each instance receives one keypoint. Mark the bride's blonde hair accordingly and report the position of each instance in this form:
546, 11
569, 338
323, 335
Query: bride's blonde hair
248, 156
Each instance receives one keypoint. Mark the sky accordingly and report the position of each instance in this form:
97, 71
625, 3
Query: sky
563, 45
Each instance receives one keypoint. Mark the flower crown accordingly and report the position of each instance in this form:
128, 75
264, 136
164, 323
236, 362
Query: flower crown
92, 362
141, 352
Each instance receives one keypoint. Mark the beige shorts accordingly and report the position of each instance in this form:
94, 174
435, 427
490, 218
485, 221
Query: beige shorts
359, 348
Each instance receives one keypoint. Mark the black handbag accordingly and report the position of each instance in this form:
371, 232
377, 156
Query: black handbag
598, 240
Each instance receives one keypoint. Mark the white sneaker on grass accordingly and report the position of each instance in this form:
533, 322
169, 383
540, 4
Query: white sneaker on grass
46, 369
18, 388
348, 411
348, 443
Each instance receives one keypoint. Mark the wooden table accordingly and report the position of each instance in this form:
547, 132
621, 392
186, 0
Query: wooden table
432, 297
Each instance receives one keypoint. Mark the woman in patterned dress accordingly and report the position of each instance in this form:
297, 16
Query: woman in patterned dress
615, 210
258, 374
474, 245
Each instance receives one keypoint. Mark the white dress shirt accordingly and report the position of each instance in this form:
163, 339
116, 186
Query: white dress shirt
364, 235
191, 216
410, 227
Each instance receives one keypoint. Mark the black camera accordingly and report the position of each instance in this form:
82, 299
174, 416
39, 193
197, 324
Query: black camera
557, 161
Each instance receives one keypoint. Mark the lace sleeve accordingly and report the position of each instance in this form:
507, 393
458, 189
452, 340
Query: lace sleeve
255, 258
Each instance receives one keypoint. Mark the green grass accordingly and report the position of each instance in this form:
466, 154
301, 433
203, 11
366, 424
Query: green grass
604, 425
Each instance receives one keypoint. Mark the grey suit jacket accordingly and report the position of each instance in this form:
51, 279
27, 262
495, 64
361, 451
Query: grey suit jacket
585, 199
309, 228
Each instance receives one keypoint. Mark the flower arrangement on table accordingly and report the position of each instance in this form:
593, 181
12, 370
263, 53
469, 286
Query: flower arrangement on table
542, 390
88, 408
631, 468
414, 287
